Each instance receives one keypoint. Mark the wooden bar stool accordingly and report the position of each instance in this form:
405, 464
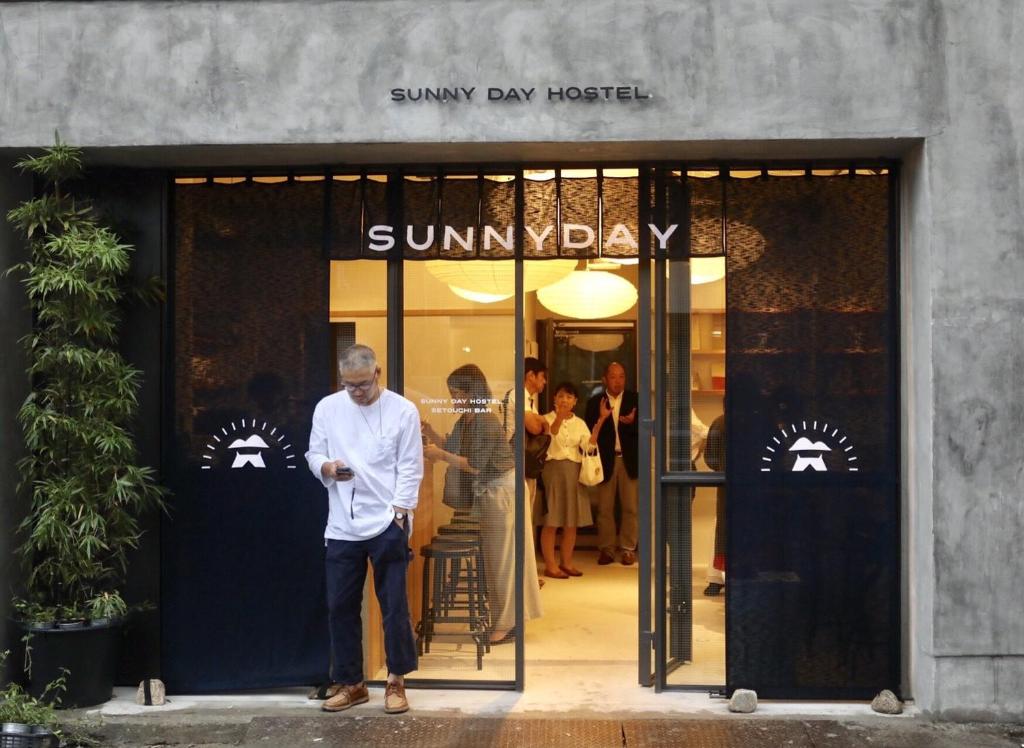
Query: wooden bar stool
454, 590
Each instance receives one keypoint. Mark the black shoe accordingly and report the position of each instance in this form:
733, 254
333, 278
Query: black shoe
605, 558
713, 589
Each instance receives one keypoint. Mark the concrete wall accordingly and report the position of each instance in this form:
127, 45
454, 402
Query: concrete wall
936, 82
136, 74
976, 275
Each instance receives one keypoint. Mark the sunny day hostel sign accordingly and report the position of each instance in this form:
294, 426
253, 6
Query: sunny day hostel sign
553, 94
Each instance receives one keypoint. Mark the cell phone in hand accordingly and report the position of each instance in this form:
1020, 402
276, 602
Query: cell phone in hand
343, 472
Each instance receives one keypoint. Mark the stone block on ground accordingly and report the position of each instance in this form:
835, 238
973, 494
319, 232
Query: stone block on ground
743, 701
887, 703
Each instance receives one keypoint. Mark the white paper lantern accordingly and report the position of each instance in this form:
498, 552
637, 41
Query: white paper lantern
589, 294
478, 296
706, 270
489, 281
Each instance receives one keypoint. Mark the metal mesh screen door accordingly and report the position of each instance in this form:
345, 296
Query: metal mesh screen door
812, 435
243, 593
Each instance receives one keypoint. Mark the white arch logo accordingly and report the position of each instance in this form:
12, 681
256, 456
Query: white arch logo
248, 446
816, 446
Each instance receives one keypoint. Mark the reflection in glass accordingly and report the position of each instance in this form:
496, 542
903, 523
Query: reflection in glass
458, 367
694, 519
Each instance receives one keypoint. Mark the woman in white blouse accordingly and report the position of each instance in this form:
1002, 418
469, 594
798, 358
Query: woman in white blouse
568, 505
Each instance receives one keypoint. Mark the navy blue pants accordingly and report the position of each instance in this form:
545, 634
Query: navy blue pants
346, 575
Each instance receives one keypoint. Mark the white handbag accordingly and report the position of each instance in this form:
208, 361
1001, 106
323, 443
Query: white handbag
591, 471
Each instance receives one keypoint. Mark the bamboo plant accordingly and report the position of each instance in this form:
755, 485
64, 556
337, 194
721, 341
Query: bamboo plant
85, 487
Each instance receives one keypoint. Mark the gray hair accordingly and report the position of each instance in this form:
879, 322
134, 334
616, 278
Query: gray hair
357, 358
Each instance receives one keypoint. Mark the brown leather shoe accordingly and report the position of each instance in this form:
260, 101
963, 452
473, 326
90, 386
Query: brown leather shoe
345, 697
394, 698
325, 691
605, 558
628, 558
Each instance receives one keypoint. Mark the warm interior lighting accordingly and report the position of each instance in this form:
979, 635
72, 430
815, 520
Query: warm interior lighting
478, 296
489, 281
706, 270
702, 269
597, 342
604, 263
588, 294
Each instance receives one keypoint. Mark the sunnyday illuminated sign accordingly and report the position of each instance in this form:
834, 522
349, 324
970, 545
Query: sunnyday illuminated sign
574, 236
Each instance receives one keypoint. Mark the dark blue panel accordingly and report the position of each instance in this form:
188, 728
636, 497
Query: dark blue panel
242, 563
243, 582
812, 467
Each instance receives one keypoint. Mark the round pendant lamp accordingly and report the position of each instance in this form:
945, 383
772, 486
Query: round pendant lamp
479, 296
706, 270
488, 281
603, 263
588, 294
596, 342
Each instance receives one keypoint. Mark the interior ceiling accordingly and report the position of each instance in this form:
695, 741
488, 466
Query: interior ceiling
297, 155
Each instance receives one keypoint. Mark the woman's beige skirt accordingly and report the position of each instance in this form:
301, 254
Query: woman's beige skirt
567, 503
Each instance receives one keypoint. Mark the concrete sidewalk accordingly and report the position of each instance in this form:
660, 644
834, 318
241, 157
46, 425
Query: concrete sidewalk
283, 719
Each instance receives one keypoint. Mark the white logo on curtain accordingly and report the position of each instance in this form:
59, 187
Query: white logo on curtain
248, 452
815, 446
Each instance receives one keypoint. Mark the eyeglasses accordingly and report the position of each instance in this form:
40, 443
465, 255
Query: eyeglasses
361, 386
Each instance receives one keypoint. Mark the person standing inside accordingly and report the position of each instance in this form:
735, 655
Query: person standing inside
568, 504
365, 448
714, 456
614, 415
535, 379
478, 446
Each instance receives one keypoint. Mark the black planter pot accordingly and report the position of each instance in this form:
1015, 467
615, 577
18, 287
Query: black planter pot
89, 653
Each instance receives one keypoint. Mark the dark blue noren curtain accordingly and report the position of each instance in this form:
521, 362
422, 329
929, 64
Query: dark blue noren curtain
242, 568
812, 441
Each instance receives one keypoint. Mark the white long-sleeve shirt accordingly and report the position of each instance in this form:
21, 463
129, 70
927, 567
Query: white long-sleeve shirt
572, 438
381, 443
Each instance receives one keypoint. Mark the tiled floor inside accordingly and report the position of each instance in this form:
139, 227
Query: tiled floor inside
591, 622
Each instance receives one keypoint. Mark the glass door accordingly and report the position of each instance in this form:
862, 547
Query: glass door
686, 387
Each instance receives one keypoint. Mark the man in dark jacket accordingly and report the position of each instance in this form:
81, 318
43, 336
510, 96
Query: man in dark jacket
618, 445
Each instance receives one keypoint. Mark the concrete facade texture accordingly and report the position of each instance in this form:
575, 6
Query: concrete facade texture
934, 82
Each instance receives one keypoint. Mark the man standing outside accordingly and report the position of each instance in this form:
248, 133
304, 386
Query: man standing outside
365, 448
618, 444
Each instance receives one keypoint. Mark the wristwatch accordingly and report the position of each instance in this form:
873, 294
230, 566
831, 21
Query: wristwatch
401, 515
